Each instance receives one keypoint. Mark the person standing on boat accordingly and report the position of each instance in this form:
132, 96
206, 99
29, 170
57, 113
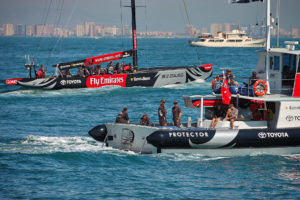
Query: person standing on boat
97, 69
253, 78
41, 72
229, 76
231, 114
121, 67
162, 112
110, 68
145, 120
123, 117
176, 111
218, 115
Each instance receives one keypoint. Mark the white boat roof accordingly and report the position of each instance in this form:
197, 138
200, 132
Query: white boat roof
266, 98
284, 50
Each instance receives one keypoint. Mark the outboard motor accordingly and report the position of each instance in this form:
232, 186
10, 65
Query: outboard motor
99, 133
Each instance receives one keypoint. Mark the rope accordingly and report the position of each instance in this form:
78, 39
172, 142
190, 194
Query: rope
58, 18
122, 27
189, 21
146, 42
59, 41
44, 23
143, 146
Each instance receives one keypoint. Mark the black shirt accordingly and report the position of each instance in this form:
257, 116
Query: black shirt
176, 110
219, 112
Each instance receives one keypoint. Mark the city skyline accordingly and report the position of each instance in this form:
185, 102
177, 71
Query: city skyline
165, 16
91, 29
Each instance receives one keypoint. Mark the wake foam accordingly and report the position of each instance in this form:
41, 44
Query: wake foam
47, 145
54, 93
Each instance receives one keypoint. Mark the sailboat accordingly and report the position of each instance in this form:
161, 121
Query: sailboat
129, 76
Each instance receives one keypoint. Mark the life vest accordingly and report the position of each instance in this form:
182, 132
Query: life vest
260, 87
216, 79
126, 67
39, 74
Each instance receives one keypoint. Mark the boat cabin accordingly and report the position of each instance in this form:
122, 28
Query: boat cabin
284, 69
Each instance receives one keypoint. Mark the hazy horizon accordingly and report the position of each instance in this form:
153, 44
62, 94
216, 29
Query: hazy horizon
166, 15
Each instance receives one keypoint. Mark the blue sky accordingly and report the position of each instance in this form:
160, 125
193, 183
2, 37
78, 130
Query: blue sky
162, 15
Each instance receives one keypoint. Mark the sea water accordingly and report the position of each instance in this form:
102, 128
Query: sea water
46, 152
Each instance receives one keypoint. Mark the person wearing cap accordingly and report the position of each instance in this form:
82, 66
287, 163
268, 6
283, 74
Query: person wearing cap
176, 110
231, 114
229, 76
123, 117
145, 120
162, 112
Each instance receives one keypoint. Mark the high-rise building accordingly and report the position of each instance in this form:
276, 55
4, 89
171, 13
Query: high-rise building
30, 30
227, 28
92, 30
1, 31
98, 30
8, 29
295, 32
87, 28
46, 30
126, 30
58, 32
20, 30
79, 30
215, 28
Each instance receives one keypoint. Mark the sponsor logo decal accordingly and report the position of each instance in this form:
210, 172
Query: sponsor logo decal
292, 107
264, 135
63, 82
71, 65
70, 82
290, 118
172, 75
112, 57
12, 81
99, 81
188, 134
140, 78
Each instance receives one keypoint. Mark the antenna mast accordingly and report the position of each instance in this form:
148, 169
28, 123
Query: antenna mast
133, 26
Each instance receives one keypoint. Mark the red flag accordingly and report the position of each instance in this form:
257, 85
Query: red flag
226, 95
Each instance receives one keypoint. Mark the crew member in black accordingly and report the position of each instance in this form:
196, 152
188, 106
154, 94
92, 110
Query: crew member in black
145, 120
253, 78
176, 110
219, 114
162, 113
123, 117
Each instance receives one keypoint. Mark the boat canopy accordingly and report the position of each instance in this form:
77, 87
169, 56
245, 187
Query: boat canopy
211, 100
94, 60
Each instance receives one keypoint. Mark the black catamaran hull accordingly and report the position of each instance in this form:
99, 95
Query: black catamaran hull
155, 77
150, 139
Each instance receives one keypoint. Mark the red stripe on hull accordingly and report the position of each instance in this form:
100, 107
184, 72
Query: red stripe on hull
12, 81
